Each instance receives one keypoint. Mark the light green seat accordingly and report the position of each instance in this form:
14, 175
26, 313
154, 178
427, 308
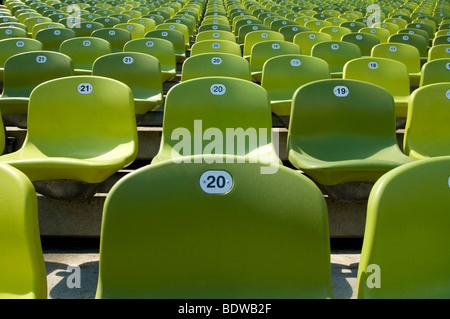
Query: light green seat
84, 51
149, 24
215, 64
316, 25
12, 46
415, 40
283, 75
387, 73
259, 240
405, 53
435, 71
262, 51
32, 21
426, 129
254, 37
214, 27
80, 128
116, 37
136, 30
215, 46
140, 71
216, 35
12, 32
290, 31
178, 27
210, 106
174, 36
405, 250
381, 33
245, 29
440, 51
336, 32
161, 49
44, 25
108, 22
24, 71
22, 267
336, 54
51, 39
343, 131
307, 39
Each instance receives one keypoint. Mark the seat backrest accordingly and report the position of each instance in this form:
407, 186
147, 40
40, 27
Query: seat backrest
108, 22
12, 46
405, 250
215, 64
193, 251
435, 71
415, 40
426, 129
213, 46
84, 50
211, 105
440, 51
257, 36
174, 36
354, 26
336, 32
12, 32
22, 267
216, 35
51, 39
247, 28
45, 25
355, 114
381, 33
402, 52
85, 28
136, 30
387, 73
176, 26
149, 24
57, 123
262, 51
117, 37
290, 31
336, 53
307, 39
365, 41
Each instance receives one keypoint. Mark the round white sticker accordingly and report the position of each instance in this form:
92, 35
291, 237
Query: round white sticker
255, 28
57, 32
8, 31
128, 60
359, 37
88, 25
20, 44
216, 35
296, 62
264, 35
129, 27
149, 43
373, 65
218, 89
86, 43
214, 27
41, 59
112, 32
340, 91
449, 181
216, 45
447, 50
447, 94
405, 37
275, 46
393, 48
334, 30
171, 26
84, 88
216, 182
373, 30
312, 36
335, 46
447, 65
164, 34
216, 60
294, 29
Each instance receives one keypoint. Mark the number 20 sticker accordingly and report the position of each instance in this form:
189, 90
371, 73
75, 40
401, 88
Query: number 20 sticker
218, 89
340, 91
216, 182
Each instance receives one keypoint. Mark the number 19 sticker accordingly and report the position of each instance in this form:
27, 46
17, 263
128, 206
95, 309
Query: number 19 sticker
340, 91
216, 182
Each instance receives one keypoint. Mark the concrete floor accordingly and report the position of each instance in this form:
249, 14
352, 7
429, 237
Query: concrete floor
60, 257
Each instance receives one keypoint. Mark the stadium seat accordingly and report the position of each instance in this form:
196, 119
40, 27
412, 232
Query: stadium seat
245, 29
214, 104
418, 32
443, 39
12, 46
262, 51
391, 27
80, 128
354, 26
412, 39
257, 36
402, 52
381, 33
283, 75
149, 24
343, 131
178, 27
85, 28
435, 71
32, 21
365, 41
108, 22
136, 30
202, 255
12, 32
317, 25
83, 51
440, 51
215, 64
422, 26
307, 39
51, 39
374, 70
22, 267
174, 36
140, 71
214, 27
45, 25
290, 31
336, 54
24, 71
336, 32
405, 251
161, 49
426, 129
216, 35
116, 37
215, 46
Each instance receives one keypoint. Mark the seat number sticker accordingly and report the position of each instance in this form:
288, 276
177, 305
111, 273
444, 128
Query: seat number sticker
84, 88
340, 91
218, 89
216, 182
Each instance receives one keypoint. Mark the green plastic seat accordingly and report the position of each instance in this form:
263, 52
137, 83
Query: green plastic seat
24, 71
426, 129
440, 51
418, 32
216, 35
283, 75
149, 24
85, 28
336, 54
12, 32
22, 266
317, 25
214, 27
354, 26
343, 131
174, 36
391, 27
84, 51
215, 46
365, 41
13, 24
215, 64
140, 71
32, 21
213, 104
161, 49
422, 26
402, 52
387, 73
108, 22
415, 40
80, 128
290, 31
381, 33
136, 30
435, 71
116, 37
51, 39
307, 39
245, 29
336, 32
443, 39
262, 51
405, 252
12, 46
202, 254
254, 37
178, 27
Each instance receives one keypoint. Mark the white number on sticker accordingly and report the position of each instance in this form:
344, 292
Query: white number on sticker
373, 65
341, 91
84, 88
128, 60
218, 89
216, 182
41, 59
216, 60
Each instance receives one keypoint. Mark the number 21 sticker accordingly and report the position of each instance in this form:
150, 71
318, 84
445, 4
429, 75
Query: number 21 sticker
84, 88
216, 182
